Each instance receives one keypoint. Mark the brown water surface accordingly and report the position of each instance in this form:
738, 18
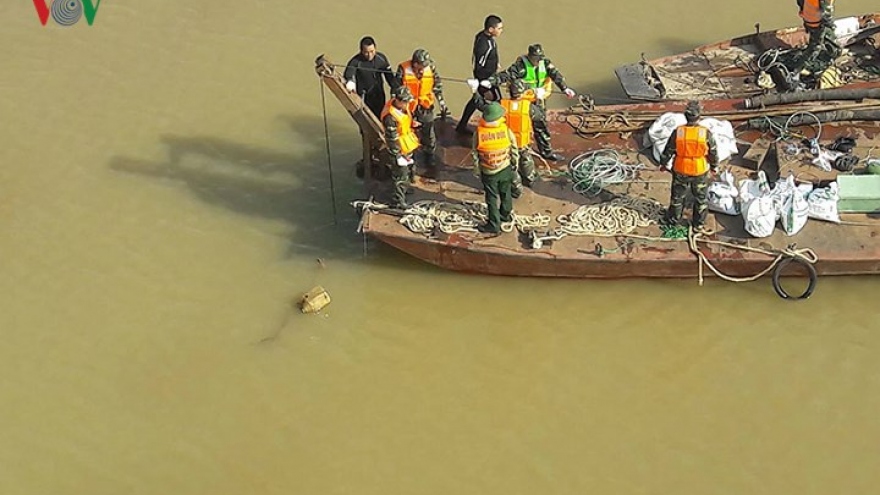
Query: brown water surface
164, 196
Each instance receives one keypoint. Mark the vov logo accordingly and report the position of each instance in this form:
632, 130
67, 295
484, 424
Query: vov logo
67, 12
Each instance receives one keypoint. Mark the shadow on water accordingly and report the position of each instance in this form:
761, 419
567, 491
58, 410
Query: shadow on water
292, 187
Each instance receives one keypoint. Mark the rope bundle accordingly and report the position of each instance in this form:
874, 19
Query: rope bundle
619, 216
595, 170
424, 216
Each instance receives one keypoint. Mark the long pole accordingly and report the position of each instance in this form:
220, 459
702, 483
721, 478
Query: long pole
327, 143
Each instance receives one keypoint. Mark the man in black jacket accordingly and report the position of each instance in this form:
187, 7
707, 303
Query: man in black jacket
364, 72
486, 63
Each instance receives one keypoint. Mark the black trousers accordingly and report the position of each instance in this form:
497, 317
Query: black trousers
491, 94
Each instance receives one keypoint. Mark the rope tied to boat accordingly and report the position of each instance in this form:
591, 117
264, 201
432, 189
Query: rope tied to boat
805, 256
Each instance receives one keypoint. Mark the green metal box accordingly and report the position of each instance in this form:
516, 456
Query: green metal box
859, 193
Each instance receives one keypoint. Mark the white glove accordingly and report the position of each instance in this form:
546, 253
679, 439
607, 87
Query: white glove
410, 161
486, 83
402, 161
540, 93
350, 86
570, 93
473, 84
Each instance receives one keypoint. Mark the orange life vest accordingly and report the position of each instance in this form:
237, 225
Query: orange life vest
406, 137
422, 88
519, 121
811, 13
493, 147
691, 148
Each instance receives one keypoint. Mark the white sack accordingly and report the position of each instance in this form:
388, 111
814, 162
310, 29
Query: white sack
722, 194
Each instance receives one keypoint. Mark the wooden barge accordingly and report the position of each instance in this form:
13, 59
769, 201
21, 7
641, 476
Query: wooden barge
849, 248
730, 68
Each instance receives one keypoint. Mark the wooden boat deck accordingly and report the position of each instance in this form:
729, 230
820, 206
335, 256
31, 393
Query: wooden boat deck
720, 70
845, 249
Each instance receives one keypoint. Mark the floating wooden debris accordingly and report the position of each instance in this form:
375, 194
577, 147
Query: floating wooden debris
314, 300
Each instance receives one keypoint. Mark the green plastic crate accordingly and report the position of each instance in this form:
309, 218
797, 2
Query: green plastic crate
859, 193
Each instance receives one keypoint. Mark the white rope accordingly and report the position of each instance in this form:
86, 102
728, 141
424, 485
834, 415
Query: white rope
595, 170
619, 216
425, 216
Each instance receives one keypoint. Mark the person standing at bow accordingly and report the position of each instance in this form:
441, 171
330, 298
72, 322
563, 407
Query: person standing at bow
420, 76
539, 74
695, 152
364, 74
818, 16
486, 63
402, 142
494, 151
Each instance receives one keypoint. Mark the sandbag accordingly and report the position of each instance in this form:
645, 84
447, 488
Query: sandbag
659, 132
722, 194
662, 128
756, 204
792, 205
822, 203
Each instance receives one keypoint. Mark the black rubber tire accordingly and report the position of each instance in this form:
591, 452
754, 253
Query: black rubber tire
811, 272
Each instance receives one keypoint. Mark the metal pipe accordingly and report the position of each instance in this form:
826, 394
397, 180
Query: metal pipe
814, 95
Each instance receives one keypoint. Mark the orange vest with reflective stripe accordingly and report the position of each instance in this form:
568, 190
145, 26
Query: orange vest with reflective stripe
691, 148
406, 137
519, 121
493, 147
422, 88
812, 13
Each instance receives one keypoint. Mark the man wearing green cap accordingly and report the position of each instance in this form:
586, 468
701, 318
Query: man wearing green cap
695, 152
401, 141
494, 150
539, 74
421, 77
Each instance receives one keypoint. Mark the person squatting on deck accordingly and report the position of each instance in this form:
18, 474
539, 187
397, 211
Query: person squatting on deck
420, 76
818, 16
364, 72
539, 74
486, 63
402, 142
494, 151
519, 112
695, 153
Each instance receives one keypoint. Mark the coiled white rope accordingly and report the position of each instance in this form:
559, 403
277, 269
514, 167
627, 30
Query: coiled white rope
619, 216
595, 170
425, 216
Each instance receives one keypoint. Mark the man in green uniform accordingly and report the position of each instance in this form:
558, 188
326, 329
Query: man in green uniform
538, 73
494, 152
822, 48
401, 141
420, 75
695, 152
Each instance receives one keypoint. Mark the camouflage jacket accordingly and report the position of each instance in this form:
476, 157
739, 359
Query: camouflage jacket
438, 83
517, 70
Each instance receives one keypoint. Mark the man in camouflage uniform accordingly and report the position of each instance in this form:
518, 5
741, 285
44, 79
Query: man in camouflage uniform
524, 165
420, 75
401, 141
822, 48
695, 152
538, 73
494, 152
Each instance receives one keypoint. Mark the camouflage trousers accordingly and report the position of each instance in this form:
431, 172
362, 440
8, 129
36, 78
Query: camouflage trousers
427, 135
682, 185
525, 171
542, 133
499, 198
401, 178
